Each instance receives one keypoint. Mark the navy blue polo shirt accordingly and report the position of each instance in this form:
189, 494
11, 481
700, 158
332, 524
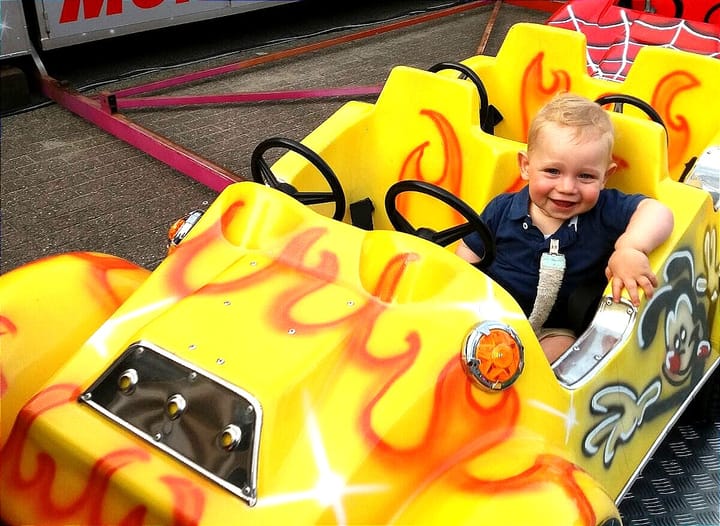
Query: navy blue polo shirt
586, 242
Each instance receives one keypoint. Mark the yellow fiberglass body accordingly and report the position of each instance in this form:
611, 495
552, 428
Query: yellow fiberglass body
283, 367
345, 343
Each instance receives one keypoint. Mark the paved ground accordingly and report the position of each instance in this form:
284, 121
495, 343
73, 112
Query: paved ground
67, 185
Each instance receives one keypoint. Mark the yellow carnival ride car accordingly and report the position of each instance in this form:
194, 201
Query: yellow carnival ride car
286, 367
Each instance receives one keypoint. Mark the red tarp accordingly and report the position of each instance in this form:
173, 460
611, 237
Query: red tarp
616, 34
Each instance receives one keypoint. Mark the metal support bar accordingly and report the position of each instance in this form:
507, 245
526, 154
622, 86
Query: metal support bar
125, 103
175, 156
489, 27
229, 68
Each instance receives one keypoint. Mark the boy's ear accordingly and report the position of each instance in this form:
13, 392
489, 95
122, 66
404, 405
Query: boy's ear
610, 170
523, 164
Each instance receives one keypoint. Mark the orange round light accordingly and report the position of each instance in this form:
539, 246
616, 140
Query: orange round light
493, 355
175, 228
180, 228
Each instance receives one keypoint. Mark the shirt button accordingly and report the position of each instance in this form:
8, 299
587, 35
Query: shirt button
525, 226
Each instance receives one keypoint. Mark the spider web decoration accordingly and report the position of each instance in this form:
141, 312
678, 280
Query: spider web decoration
700, 10
615, 35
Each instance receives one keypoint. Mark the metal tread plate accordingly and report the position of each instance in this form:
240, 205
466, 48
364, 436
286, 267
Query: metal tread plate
680, 485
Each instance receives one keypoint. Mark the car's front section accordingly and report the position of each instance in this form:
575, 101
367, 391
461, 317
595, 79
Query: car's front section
282, 367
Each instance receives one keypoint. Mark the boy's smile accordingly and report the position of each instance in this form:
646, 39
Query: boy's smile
563, 204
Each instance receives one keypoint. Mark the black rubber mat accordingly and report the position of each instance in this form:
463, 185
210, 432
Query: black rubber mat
680, 485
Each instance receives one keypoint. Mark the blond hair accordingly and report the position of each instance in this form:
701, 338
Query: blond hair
588, 118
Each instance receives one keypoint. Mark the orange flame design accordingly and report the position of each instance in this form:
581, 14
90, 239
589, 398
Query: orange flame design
546, 469
678, 127
534, 93
7, 327
38, 486
189, 500
451, 176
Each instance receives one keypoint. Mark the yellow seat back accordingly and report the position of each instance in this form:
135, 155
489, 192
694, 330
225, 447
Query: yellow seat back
536, 61
424, 126
684, 88
533, 64
641, 155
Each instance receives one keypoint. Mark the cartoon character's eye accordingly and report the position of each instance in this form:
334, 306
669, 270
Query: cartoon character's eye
680, 339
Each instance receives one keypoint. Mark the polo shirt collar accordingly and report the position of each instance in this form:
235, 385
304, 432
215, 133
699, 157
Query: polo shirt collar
521, 204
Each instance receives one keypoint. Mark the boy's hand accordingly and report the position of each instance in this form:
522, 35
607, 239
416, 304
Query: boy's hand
629, 268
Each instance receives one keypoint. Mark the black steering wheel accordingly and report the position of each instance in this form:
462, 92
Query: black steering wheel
468, 73
449, 235
620, 99
261, 173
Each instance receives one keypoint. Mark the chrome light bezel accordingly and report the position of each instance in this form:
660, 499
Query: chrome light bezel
474, 366
188, 222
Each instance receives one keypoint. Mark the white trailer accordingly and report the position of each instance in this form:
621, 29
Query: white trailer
62, 23
14, 35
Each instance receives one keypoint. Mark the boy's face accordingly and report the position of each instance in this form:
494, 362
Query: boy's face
565, 173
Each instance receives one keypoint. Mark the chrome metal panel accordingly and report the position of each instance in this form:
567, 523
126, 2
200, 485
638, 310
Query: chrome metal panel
609, 330
209, 425
705, 174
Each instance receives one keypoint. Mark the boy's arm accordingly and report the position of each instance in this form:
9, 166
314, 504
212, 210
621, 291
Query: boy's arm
466, 252
628, 267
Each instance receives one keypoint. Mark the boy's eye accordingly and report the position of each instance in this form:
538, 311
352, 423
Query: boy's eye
589, 177
552, 171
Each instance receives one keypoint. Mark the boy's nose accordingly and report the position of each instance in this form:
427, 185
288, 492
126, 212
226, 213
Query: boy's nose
566, 184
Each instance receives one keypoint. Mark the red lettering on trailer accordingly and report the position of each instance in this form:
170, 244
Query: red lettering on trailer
147, 4
91, 8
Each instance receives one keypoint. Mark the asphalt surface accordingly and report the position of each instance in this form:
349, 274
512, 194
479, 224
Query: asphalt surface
67, 185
